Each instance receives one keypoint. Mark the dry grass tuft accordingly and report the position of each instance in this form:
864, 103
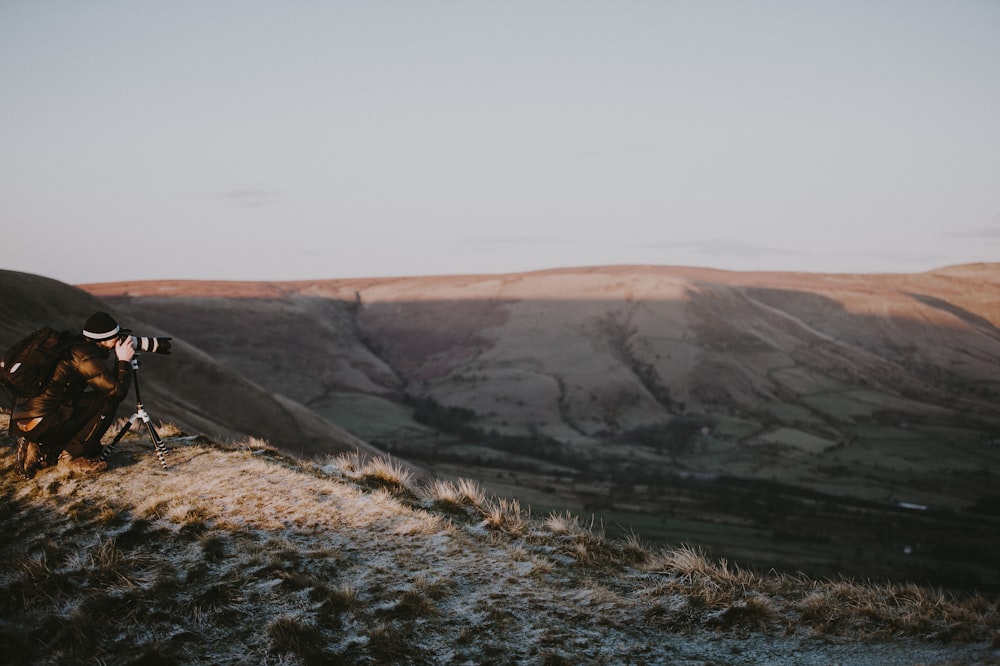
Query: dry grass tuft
691, 564
455, 496
289, 635
152, 508
165, 430
726, 596
387, 645
634, 551
587, 543
335, 601
111, 565
374, 472
189, 518
213, 548
254, 444
853, 609
347, 463
505, 515
388, 474
561, 524
413, 605
697, 591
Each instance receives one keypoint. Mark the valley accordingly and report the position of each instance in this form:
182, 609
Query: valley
834, 424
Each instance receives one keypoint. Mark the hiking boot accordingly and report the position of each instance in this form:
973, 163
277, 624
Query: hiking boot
27, 458
48, 458
80, 464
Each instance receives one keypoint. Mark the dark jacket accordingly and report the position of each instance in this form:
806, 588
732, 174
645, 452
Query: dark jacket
84, 366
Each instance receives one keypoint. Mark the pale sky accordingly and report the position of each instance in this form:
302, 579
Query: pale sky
291, 139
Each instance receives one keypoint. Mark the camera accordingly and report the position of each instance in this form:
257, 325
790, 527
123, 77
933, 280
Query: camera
155, 345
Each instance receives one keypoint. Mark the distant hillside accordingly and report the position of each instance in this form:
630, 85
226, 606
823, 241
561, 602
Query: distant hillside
775, 418
237, 554
582, 354
188, 387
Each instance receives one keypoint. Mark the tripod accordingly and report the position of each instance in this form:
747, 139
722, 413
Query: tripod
140, 415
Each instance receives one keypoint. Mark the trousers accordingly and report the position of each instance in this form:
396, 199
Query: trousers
76, 428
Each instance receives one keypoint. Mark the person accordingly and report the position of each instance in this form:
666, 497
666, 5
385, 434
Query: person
64, 424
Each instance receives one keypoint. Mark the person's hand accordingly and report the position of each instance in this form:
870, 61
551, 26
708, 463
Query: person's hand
125, 349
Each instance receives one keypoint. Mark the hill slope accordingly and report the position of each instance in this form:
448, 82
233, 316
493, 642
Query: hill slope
585, 357
189, 387
581, 341
238, 555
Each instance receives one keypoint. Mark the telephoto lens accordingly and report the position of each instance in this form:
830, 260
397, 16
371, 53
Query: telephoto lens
154, 345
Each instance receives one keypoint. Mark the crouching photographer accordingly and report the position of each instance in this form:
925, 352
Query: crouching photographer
64, 422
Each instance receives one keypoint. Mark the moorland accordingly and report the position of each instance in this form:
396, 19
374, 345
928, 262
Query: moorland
838, 425
238, 554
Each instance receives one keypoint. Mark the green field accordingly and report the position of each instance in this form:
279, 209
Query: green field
794, 497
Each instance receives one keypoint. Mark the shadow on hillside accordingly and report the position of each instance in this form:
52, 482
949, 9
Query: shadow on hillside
812, 406
816, 400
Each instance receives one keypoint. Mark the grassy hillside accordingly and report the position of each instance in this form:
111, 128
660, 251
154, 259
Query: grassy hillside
238, 555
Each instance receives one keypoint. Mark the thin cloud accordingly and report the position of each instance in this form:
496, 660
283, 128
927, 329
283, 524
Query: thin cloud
920, 260
731, 248
510, 240
250, 197
988, 233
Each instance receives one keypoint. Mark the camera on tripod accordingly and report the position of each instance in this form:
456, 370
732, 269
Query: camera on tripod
154, 345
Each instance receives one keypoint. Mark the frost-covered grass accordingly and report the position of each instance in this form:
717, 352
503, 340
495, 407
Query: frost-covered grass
240, 555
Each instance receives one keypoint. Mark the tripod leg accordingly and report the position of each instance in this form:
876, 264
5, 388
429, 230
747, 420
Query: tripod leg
158, 445
140, 414
118, 437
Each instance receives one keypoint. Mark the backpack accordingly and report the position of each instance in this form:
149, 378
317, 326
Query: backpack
28, 366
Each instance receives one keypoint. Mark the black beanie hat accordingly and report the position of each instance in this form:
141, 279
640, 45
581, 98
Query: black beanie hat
101, 326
